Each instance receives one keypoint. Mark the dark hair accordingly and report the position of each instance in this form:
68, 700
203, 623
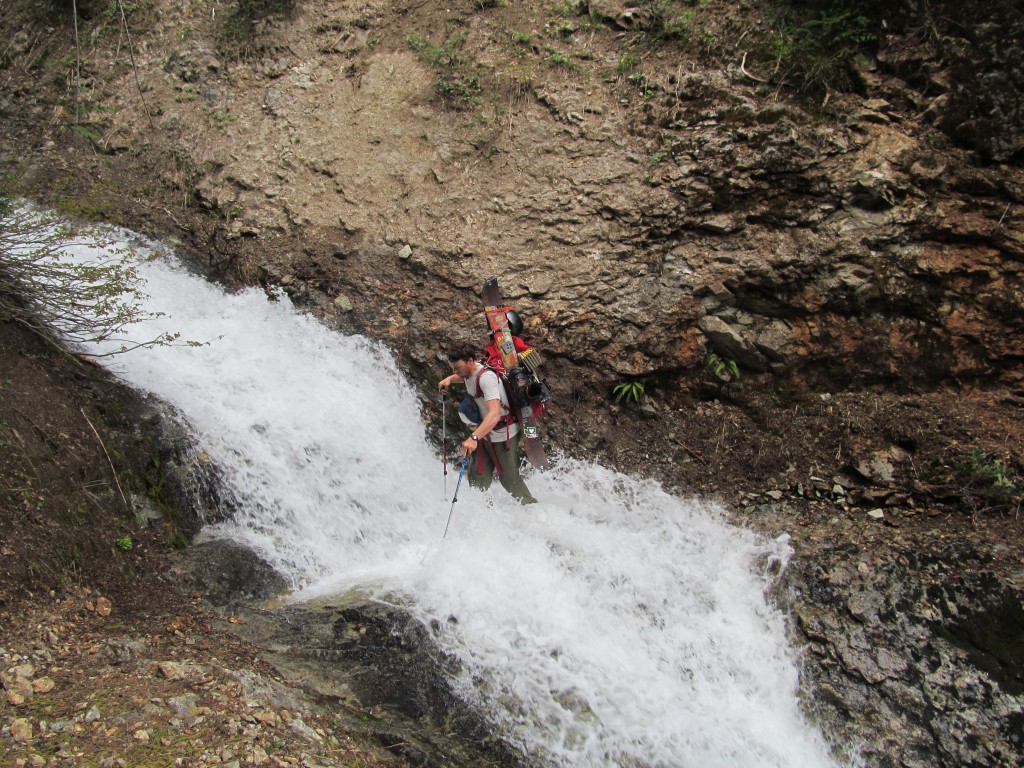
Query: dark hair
461, 352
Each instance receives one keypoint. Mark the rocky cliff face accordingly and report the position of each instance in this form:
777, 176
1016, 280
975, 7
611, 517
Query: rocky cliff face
653, 183
647, 200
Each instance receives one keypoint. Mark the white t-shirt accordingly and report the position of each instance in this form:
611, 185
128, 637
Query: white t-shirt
484, 382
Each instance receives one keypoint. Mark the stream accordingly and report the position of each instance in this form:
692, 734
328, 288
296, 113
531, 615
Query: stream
611, 624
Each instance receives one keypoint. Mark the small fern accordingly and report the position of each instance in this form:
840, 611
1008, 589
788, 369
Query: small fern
628, 390
724, 369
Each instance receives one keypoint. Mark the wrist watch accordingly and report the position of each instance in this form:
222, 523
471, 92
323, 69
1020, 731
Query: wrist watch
475, 438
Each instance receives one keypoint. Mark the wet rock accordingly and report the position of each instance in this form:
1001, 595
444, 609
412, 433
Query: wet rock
918, 646
754, 208
223, 570
375, 657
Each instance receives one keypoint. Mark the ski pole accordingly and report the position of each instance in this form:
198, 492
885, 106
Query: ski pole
465, 463
444, 439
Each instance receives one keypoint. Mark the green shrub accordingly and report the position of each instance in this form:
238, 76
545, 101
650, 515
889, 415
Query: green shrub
627, 63
459, 91
813, 46
639, 79
669, 22
992, 477
442, 56
563, 60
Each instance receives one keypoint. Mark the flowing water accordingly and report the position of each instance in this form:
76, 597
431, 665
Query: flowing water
612, 624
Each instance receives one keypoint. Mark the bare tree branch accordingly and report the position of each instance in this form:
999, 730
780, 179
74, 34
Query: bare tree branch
131, 56
46, 290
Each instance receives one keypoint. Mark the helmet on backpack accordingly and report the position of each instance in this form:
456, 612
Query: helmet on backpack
515, 324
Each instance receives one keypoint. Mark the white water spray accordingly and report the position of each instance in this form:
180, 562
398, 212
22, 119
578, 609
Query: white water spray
609, 625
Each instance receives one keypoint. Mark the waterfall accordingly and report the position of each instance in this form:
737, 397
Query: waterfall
611, 624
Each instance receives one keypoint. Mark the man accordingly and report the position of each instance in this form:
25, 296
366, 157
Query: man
495, 441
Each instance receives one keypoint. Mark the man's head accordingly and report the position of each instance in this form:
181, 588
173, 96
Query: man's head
463, 360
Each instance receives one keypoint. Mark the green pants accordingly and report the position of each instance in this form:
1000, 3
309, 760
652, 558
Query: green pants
481, 469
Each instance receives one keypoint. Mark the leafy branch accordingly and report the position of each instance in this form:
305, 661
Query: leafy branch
45, 289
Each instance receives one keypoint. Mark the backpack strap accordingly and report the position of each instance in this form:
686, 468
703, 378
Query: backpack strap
488, 446
508, 414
